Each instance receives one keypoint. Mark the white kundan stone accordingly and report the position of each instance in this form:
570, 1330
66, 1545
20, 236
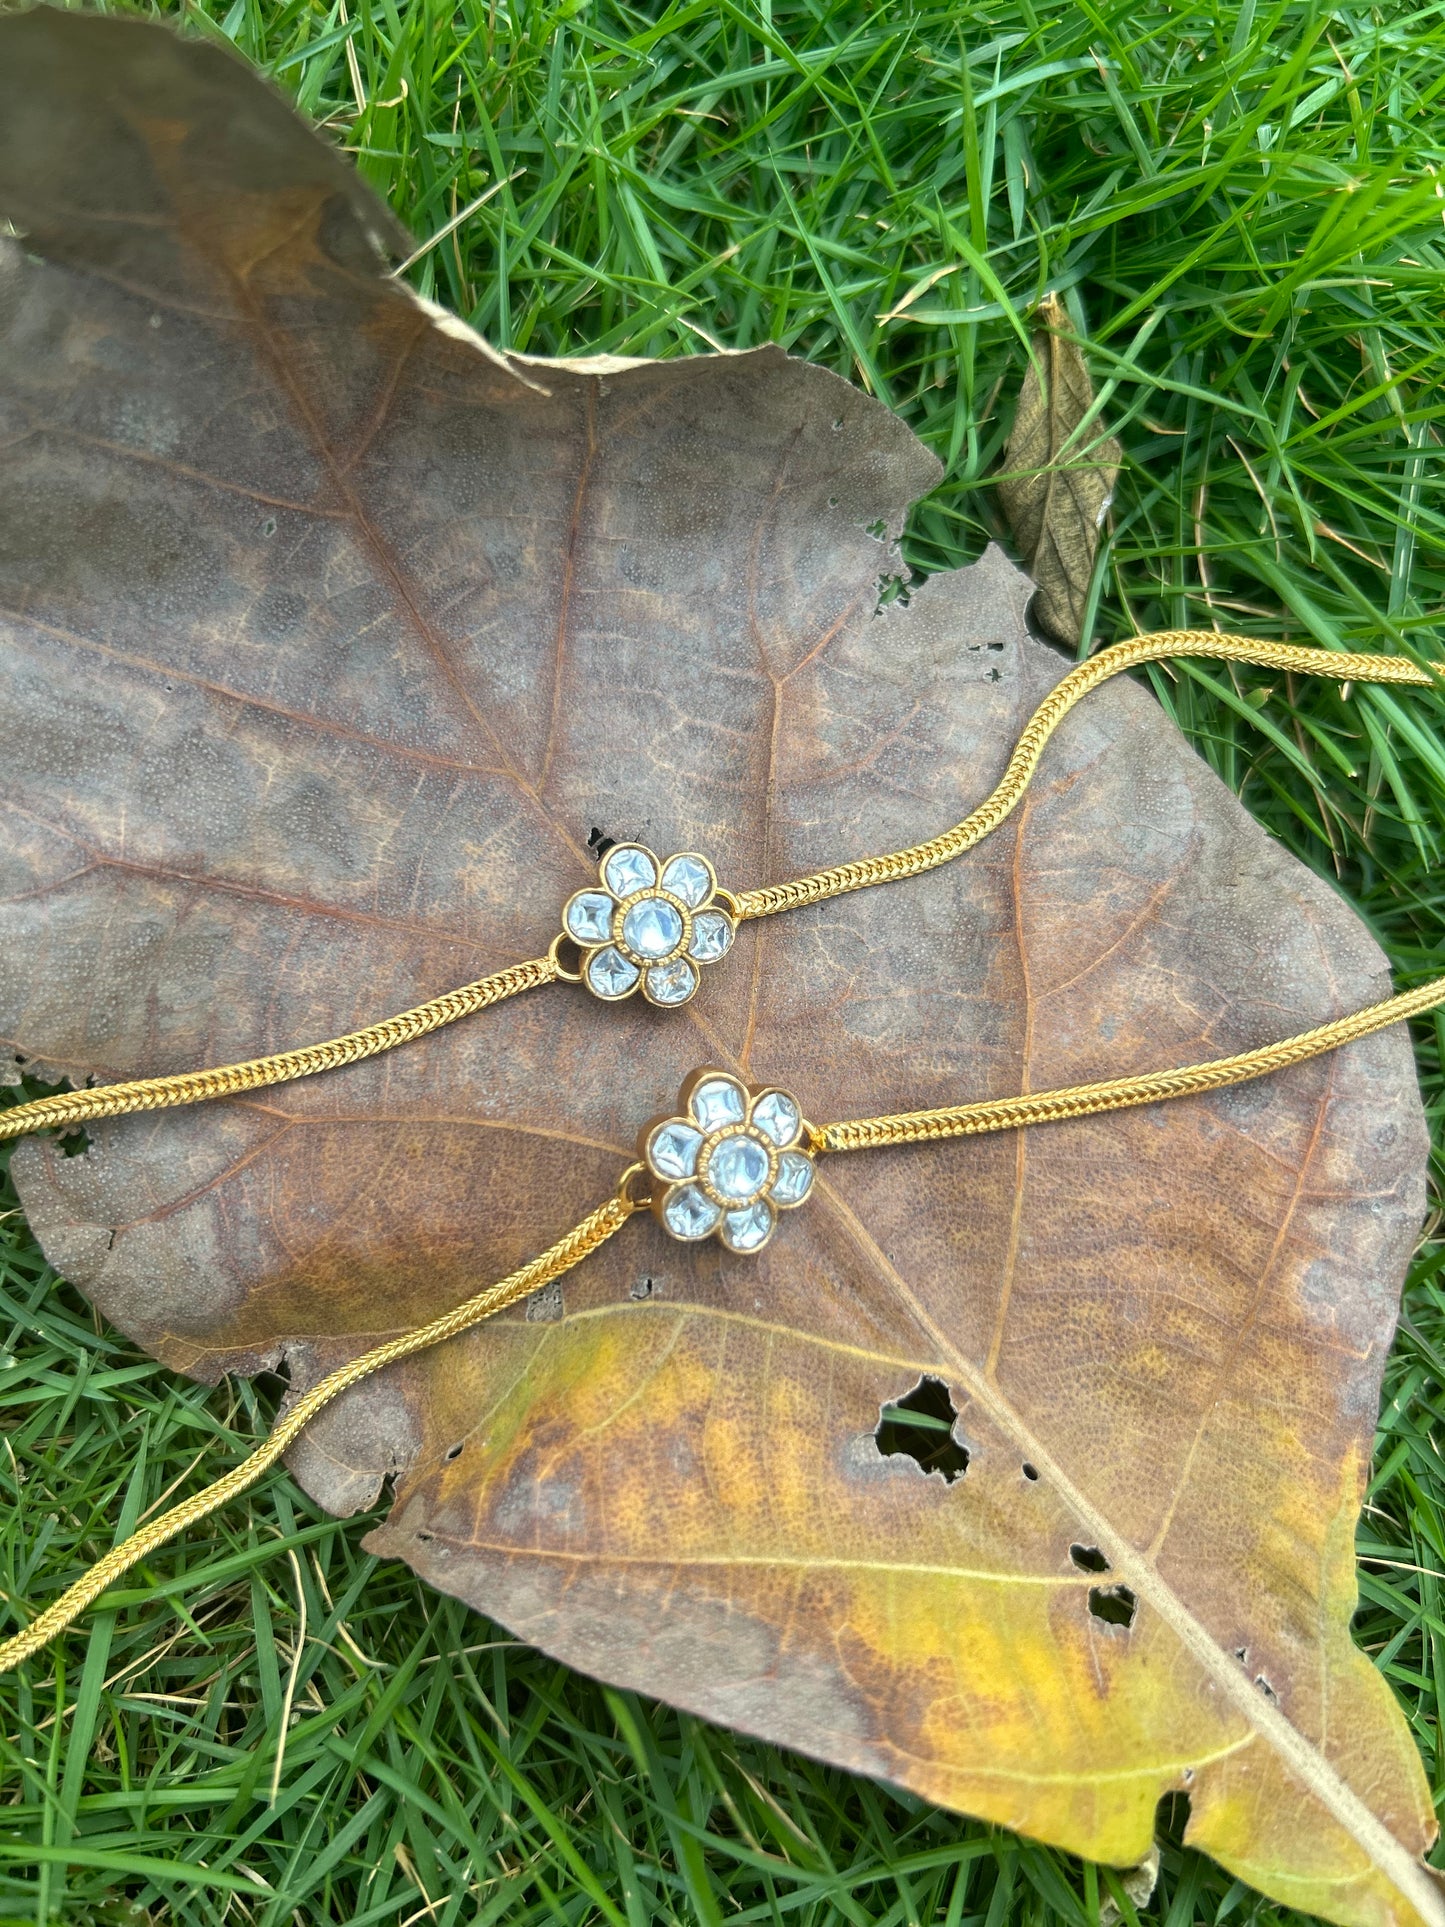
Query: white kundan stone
777, 1117
716, 1102
794, 1180
689, 1213
738, 1168
712, 936
671, 983
628, 869
589, 917
652, 928
688, 877
672, 1150
745, 1230
610, 974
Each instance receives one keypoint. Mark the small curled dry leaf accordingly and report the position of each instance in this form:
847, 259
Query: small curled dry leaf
1059, 475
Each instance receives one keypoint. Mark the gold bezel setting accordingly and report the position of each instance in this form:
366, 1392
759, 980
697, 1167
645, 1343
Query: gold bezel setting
679, 1149
630, 874
730, 1134
625, 908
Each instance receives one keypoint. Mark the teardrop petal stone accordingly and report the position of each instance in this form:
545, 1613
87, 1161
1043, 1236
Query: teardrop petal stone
794, 1180
689, 1213
738, 1169
745, 1230
712, 936
588, 917
718, 1102
777, 1117
671, 983
652, 928
672, 1150
688, 877
610, 974
628, 869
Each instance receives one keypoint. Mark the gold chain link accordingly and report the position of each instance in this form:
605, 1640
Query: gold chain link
1117, 1094
192, 1087
862, 875
595, 1229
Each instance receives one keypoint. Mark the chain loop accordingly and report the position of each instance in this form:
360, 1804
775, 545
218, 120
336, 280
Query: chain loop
554, 956
624, 1193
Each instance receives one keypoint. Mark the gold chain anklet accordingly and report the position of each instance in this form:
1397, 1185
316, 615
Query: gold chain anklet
725, 1162
653, 924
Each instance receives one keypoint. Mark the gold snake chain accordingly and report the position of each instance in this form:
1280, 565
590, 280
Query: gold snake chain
909, 1127
156, 1093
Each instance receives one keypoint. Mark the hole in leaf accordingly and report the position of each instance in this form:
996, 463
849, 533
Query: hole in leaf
1088, 1559
876, 529
1114, 1605
1171, 1816
268, 527
1241, 1653
919, 1426
75, 1142
641, 1288
1031, 1472
454, 1451
599, 842
892, 588
837, 424
1264, 1686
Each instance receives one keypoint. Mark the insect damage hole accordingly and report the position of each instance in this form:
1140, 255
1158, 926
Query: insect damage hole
1113, 1605
1171, 1816
1088, 1558
919, 1426
599, 842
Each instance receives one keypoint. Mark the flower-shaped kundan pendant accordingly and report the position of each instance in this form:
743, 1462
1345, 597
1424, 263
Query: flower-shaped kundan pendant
728, 1162
651, 925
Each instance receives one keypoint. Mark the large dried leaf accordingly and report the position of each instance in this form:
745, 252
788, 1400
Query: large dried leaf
1059, 473
328, 639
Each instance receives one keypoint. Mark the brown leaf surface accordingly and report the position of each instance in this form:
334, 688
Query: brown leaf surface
1059, 476
328, 637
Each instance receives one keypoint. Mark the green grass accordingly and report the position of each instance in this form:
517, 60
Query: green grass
1244, 207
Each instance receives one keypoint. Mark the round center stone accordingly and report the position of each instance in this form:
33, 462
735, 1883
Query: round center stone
652, 928
738, 1168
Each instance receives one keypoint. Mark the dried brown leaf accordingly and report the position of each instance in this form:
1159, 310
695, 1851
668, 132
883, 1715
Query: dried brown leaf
1059, 475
